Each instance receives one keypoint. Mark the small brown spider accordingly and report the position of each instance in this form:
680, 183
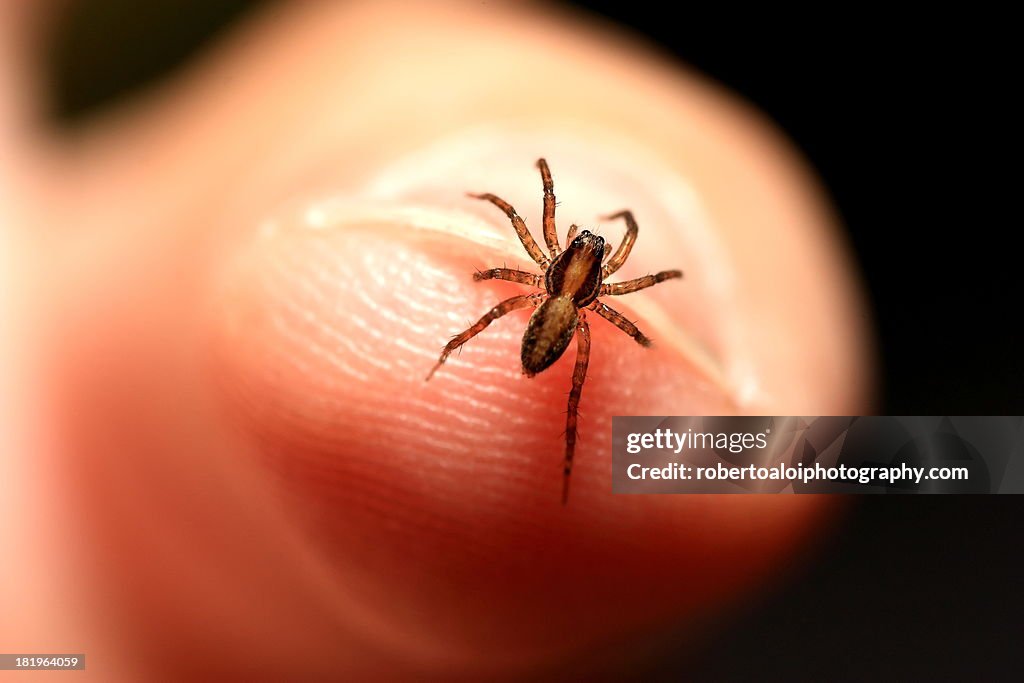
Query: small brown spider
572, 281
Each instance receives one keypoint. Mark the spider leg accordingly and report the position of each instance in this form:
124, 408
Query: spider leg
620, 321
573, 229
579, 374
521, 301
525, 237
550, 231
639, 283
510, 274
622, 253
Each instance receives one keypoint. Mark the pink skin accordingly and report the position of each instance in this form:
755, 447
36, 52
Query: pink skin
227, 294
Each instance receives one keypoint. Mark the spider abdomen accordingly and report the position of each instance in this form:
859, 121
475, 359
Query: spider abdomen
548, 334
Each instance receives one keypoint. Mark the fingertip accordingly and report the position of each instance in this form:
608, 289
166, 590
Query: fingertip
331, 319
321, 343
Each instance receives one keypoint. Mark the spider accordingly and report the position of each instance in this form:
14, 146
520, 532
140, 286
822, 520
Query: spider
573, 280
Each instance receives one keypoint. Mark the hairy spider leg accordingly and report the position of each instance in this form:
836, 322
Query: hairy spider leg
579, 374
532, 248
521, 301
629, 286
511, 275
622, 253
550, 231
620, 321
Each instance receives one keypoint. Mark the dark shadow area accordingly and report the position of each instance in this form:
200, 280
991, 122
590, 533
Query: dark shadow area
914, 588
104, 50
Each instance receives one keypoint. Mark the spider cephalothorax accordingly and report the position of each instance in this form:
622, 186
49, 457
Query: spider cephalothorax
572, 282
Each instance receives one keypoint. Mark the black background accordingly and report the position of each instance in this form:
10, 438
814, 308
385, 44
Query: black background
905, 117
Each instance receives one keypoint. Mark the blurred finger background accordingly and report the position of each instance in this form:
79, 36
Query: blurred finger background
876, 109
